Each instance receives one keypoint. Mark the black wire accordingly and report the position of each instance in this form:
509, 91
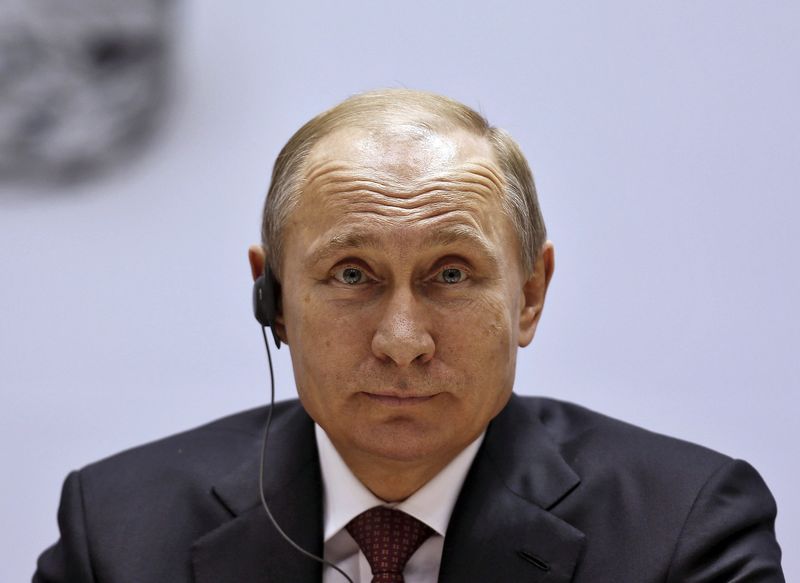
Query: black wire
261, 470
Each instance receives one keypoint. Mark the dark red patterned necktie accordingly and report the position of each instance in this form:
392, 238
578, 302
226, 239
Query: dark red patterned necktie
387, 538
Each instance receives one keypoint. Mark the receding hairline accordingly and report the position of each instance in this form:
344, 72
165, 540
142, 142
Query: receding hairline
386, 110
395, 111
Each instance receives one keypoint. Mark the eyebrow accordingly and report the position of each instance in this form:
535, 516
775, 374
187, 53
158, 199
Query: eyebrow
438, 238
341, 241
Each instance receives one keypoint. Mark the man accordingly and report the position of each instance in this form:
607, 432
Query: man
410, 262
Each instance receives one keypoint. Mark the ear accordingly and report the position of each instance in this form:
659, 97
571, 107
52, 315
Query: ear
533, 293
258, 261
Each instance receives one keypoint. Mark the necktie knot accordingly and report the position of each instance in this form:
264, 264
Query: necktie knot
388, 538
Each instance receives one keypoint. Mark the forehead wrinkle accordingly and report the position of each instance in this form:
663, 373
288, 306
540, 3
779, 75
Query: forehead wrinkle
466, 213
430, 199
316, 169
332, 173
434, 197
336, 177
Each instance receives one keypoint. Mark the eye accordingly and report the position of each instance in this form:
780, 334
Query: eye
350, 275
451, 275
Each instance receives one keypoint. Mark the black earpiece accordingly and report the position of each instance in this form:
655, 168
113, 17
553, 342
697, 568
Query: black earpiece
266, 292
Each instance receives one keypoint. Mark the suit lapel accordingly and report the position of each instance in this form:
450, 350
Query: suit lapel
501, 529
247, 547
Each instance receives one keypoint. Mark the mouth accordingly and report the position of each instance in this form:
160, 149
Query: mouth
398, 400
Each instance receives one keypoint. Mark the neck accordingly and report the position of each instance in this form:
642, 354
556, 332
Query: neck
393, 480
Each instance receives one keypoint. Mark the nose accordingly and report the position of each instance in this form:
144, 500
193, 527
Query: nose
402, 334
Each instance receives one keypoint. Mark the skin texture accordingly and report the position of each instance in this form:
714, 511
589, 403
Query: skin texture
403, 299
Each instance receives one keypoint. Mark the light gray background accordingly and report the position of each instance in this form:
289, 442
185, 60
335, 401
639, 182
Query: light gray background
664, 140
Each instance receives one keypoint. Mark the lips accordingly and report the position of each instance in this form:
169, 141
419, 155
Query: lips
398, 400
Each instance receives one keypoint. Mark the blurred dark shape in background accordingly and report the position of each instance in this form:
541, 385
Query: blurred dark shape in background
81, 82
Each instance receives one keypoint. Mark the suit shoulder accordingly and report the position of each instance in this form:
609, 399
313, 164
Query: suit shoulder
587, 437
156, 499
678, 508
196, 455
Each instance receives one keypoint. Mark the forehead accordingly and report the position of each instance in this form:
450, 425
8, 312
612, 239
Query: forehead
398, 185
402, 164
404, 150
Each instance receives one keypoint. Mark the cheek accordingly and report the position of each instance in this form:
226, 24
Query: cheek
494, 320
325, 343
309, 340
498, 325
479, 338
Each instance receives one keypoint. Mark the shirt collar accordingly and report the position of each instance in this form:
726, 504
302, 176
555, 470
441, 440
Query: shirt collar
346, 497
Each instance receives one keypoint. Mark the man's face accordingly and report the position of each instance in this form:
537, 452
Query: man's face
404, 300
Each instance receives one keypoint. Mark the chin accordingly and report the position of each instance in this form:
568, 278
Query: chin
402, 442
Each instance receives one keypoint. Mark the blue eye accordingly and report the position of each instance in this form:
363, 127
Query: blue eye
350, 275
451, 275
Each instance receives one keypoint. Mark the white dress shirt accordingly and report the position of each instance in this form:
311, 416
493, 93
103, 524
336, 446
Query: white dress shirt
345, 497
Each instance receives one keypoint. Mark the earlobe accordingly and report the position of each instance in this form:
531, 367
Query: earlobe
280, 329
279, 326
534, 291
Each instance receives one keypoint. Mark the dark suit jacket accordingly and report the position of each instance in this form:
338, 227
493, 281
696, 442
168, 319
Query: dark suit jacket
556, 493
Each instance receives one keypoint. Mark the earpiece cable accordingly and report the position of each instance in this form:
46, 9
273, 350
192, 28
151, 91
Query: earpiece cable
261, 470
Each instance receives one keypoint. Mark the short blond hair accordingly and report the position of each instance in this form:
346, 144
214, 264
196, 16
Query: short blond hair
427, 111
